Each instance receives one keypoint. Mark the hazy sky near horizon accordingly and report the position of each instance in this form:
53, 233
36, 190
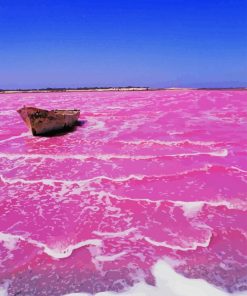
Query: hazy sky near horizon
62, 43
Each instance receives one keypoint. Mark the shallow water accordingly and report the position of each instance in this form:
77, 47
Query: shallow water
150, 176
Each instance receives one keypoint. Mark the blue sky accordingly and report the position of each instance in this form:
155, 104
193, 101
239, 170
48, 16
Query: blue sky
65, 43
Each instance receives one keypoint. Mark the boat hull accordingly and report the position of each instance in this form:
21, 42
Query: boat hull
41, 121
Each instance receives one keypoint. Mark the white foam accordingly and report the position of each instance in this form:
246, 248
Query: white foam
15, 137
99, 125
64, 253
99, 178
238, 169
192, 246
103, 193
191, 208
169, 283
11, 240
7, 112
115, 234
175, 133
170, 143
105, 258
218, 153
71, 182
82, 157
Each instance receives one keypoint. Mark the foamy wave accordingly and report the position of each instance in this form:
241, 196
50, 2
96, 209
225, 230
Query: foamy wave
115, 234
11, 240
171, 143
99, 178
191, 208
193, 246
70, 182
103, 193
15, 137
169, 283
7, 112
217, 153
238, 169
107, 258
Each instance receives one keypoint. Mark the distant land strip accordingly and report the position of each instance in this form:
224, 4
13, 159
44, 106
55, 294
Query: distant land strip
128, 88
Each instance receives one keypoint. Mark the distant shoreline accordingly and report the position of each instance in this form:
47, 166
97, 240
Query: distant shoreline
100, 89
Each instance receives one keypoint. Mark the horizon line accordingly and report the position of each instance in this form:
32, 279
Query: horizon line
120, 88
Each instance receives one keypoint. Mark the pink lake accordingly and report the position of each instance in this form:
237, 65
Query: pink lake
150, 177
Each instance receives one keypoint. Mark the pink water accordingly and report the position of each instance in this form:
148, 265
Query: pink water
149, 175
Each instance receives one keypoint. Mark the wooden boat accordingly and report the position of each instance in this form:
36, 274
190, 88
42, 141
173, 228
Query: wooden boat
42, 121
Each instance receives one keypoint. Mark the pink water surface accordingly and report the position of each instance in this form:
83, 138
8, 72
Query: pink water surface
149, 175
